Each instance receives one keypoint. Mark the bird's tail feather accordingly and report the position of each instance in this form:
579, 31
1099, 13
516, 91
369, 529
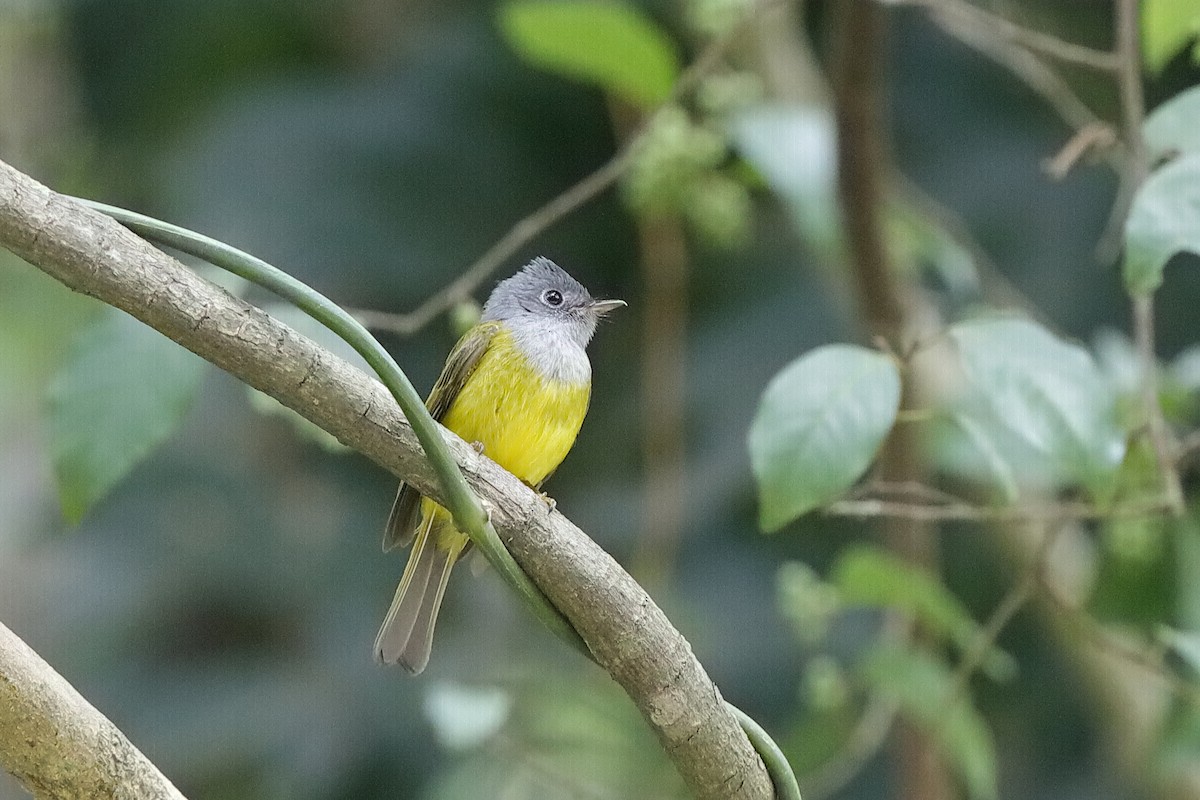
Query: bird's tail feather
406, 636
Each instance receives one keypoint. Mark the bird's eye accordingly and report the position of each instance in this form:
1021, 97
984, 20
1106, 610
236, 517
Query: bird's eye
552, 298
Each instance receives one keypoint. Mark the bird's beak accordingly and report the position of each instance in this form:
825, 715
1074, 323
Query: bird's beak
602, 307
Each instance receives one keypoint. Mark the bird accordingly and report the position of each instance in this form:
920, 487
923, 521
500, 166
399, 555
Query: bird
516, 386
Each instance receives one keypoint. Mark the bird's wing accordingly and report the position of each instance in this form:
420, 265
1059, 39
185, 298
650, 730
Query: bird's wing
460, 365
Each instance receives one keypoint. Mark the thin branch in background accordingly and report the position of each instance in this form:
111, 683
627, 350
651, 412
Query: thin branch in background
1012, 602
995, 287
1027, 67
1137, 167
880, 715
1098, 138
1136, 654
531, 226
984, 24
863, 744
964, 512
1133, 170
664, 257
913, 491
1159, 433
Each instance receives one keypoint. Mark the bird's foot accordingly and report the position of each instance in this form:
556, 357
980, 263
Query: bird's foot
550, 502
477, 447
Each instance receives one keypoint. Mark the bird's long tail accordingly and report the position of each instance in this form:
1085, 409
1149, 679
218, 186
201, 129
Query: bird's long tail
407, 632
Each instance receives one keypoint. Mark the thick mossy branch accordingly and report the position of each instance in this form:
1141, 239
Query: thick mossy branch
628, 634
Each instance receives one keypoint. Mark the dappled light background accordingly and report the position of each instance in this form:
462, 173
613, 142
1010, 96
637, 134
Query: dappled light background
219, 605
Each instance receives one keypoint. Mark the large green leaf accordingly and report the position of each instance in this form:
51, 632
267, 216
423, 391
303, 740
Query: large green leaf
121, 393
925, 689
610, 44
1045, 393
1164, 220
818, 427
794, 148
1174, 127
1167, 26
870, 576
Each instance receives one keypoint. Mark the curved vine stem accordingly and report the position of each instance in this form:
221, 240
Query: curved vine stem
469, 514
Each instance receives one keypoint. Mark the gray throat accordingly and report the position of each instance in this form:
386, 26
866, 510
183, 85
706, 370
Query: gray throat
552, 351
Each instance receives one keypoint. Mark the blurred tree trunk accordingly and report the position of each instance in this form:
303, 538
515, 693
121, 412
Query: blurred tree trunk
889, 308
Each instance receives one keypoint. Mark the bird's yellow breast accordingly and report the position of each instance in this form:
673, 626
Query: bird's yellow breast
525, 422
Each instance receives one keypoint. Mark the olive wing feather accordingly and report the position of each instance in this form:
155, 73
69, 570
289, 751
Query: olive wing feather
460, 365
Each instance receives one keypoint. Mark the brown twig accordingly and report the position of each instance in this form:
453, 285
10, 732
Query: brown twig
1012, 602
1139, 656
528, 228
664, 258
985, 24
1028, 68
1137, 167
867, 738
870, 733
964, 512
1095, 138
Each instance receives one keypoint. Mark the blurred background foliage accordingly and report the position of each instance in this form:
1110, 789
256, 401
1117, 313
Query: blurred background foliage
219, 603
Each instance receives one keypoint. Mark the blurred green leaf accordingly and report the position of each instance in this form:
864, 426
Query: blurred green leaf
122, 392
1046, 392
795, 150
1186, 645
39, 318
825, 684
464, 717
610, 44
1167, 26
818, 427
924, 686
1134, 583
1178, 747
806, 601
1000, 471
1186, 540
870, 576
563, 739
1174, 127
1164, 220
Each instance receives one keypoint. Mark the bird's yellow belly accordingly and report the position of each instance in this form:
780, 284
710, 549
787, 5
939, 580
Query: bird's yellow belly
525, 422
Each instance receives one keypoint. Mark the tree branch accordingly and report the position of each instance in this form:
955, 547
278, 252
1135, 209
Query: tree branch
57, 744
628, 634
964, 15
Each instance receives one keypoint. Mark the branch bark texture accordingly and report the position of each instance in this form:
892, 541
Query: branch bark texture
59, 746
628, 634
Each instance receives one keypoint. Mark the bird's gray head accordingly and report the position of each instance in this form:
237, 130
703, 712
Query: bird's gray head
542, 299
